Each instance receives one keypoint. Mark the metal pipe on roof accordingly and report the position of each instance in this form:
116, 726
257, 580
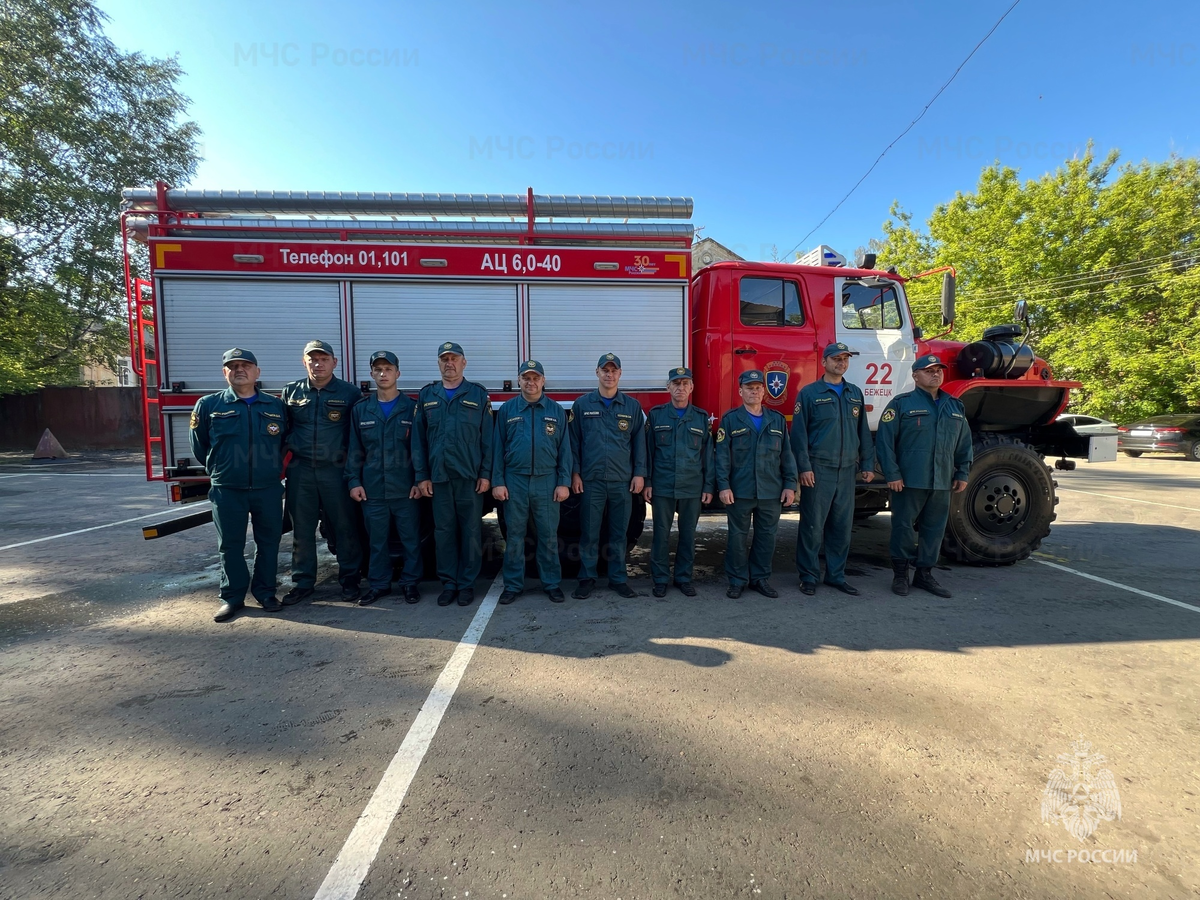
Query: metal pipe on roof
388, 204
313, 227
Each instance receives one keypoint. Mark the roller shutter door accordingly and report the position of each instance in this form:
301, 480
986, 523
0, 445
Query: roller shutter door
570, 326
412, 319
204, 317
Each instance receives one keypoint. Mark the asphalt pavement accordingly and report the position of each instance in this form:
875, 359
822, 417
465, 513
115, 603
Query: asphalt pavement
831, 746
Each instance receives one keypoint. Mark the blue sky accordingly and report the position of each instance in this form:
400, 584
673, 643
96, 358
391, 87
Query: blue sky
766, 116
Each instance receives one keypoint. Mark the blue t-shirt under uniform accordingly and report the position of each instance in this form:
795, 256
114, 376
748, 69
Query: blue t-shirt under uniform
388, 405
757, 420
839, 387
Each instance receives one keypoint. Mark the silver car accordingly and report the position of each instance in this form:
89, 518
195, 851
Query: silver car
1089, 424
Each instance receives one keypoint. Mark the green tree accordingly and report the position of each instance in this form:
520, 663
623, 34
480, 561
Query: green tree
79, 120
1108, 260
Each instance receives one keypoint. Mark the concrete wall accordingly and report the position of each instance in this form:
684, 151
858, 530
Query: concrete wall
107, 418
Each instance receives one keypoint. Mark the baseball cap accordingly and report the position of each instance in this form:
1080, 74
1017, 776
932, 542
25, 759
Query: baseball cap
318, 347
450, 347
927, 362
532, 365
608, 358
680, 372
754, 376
837, 348
238, 353
386, 356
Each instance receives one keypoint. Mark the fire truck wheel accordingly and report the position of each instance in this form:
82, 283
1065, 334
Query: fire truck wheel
1007, 507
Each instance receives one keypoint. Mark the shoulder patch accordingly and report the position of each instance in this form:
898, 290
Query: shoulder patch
570, 415
720, 435
195, 419
888, 415
799, 407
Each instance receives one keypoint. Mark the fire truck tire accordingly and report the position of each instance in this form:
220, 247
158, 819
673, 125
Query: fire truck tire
1134, 453
1007, 508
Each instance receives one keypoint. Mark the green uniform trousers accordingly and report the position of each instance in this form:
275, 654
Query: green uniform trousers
231, 508
379, 516
598, 496
531, 497
918, 523
664, 510
826, 516
458, 532
745, 561
312, 490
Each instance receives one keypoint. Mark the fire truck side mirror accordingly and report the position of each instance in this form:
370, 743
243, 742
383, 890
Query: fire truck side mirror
1022, 312
918, 332
948, 298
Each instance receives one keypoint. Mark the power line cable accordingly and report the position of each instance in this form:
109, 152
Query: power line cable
896, 140
1113, 273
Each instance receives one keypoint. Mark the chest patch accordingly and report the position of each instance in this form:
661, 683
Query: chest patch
551, 428
272, 428
335, 415
855, 411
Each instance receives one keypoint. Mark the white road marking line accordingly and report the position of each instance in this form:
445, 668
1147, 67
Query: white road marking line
1118, 584
76, 475
361, 847
55, 537
1129, 499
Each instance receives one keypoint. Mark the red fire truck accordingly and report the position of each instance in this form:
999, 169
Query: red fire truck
518, 276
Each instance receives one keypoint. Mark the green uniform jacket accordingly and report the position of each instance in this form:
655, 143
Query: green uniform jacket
453, 438
680, 458
754, 464
608, 443
240, 445
380, 455
531, 439
925, 443
320, 420
830, 430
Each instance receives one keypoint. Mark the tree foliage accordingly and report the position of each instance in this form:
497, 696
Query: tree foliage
1108, 259
79, 120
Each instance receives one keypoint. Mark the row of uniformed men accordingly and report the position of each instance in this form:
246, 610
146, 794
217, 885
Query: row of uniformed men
387, 451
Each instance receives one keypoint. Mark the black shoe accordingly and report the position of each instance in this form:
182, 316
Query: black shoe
508, 597
271, 604
764, 588
900, 577
925, 581
854, 572
351, 591
623, 590
296, 594
555, 595
584, 589
808, 588
735, 591
466, 596
660, 590
686, 588
372, 595
446, 597
228, 611
412, 594
844, 588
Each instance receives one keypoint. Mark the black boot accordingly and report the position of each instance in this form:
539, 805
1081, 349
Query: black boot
924, 579
900, 577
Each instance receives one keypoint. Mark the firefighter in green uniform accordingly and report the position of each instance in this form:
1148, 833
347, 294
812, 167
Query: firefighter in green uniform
379, 476
756, 473
531, 474
608, 444
831, 441
319, 415
452, 456
925, 452
680, 476
238, 437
